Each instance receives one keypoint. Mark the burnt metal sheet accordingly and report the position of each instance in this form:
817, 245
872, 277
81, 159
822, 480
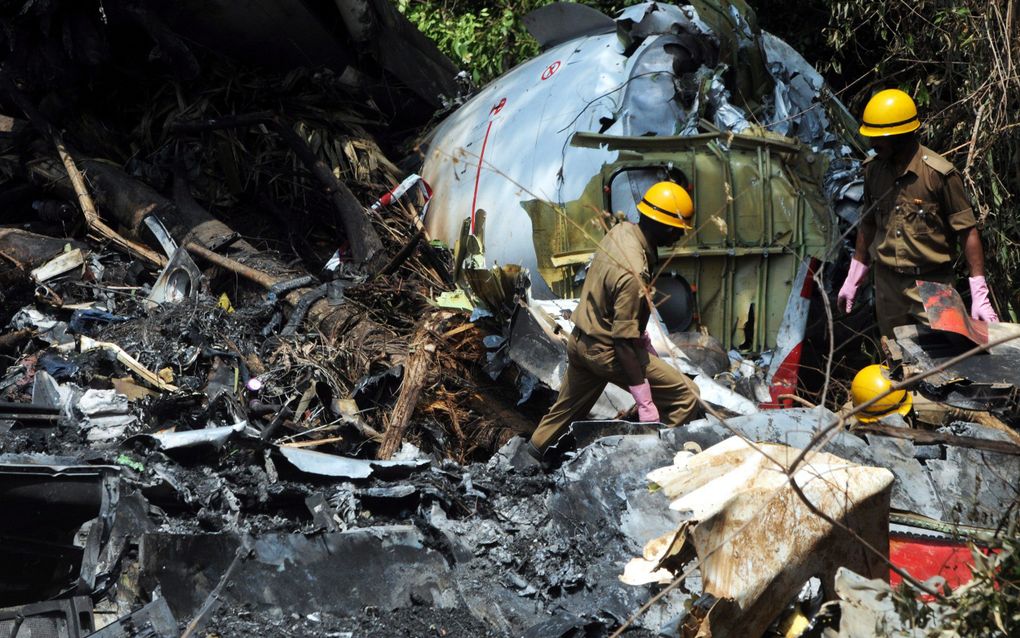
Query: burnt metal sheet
65, 618
584, 433
324, 464
975, 487
946, 311
46, 506
924, 348
212, 437
154, 620
180, 279
386, 567
561, 21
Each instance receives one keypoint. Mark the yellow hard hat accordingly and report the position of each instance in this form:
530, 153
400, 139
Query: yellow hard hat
669, 204
889, 112
873, 381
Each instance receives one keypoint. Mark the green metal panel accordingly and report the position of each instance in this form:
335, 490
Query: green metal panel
760, 211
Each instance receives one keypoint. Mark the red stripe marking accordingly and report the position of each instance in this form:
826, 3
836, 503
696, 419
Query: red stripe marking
784, 381
924, 558
478, 176
809, 279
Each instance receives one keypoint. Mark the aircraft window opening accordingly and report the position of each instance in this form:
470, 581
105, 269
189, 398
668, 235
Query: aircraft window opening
628, 186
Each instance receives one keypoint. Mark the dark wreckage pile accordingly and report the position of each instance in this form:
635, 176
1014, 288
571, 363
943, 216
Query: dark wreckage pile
230, 403
209, 336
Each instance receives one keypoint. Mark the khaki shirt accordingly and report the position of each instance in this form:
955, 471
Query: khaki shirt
613, 301
915, 214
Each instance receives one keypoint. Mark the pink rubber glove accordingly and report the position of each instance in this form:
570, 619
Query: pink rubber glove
646, 341
845, 299
646, 410
980, 307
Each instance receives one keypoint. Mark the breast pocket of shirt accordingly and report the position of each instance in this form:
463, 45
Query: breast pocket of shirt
921, 218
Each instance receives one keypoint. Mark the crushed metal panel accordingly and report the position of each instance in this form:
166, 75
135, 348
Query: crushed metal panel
180, 279
913, 490
212, 437
986, 381
961, 486
604, 494
979, 485
48, 505
561, 21
66, 618
154, 620
758, 542
386, 567
324, 464
756, 221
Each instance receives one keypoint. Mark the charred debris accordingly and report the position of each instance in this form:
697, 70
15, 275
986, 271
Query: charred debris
231, 403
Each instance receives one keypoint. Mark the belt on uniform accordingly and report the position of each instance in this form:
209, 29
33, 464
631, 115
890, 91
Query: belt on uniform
916, 270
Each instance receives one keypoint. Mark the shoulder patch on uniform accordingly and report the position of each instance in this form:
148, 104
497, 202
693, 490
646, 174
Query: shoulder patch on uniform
936, 161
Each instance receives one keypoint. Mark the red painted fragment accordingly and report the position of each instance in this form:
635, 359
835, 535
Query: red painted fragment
784, 381
924, 558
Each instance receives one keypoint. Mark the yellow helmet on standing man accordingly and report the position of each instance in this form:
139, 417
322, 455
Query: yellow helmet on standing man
873, 381
889, 112
669, 204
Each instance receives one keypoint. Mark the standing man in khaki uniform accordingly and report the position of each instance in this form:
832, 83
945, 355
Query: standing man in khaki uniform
915, 208
609, 343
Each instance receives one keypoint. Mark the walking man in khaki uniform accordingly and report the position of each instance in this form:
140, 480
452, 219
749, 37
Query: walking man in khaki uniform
609, 343
915, 207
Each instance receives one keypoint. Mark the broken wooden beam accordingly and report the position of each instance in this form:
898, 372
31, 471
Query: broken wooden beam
96, 225
234, 266
929, 437
419, 363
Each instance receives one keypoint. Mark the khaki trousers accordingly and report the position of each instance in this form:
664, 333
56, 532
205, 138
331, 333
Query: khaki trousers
590, 366
897, 300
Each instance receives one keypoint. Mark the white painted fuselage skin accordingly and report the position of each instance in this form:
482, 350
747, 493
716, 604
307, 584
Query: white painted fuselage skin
510, 143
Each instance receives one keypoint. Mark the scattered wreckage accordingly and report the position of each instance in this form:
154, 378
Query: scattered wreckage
217, 424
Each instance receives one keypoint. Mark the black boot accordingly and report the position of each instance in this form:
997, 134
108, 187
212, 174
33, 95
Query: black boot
538, 455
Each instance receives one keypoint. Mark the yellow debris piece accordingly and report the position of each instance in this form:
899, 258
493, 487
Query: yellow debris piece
225, 303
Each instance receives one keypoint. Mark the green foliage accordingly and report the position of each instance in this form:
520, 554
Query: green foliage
484, 37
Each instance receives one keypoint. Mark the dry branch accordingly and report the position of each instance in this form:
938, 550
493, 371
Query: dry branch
419, 363
95, 224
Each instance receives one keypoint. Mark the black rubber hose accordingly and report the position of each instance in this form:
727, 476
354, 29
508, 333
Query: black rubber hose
301, 309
